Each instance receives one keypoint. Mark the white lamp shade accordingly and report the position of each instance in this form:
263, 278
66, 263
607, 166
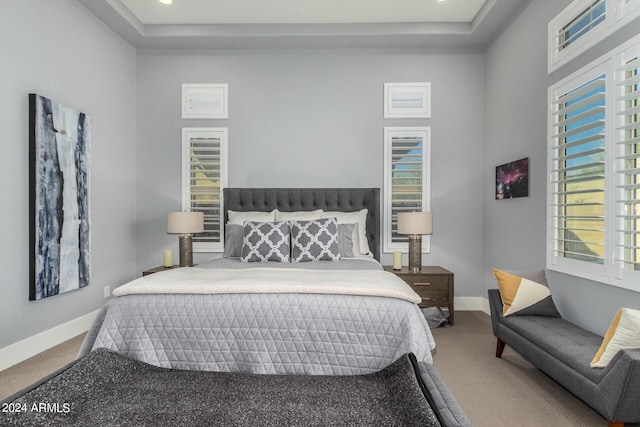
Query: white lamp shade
414, 223
185, 222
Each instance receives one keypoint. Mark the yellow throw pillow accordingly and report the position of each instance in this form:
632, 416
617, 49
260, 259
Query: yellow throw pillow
523, 296
623, 333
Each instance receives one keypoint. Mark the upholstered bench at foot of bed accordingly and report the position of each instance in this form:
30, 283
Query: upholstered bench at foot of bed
563, 351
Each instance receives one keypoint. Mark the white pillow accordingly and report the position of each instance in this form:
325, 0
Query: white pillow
237, 217
299, 215
623, 333
359, 218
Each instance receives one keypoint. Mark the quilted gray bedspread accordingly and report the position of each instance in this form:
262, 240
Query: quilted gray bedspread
288, 333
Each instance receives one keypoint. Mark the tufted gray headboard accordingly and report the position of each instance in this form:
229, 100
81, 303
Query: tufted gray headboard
308, 199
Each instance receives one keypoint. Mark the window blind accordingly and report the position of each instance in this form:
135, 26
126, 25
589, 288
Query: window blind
406, 178
628, 9
204, 176
628, 161
578, 171
584, 22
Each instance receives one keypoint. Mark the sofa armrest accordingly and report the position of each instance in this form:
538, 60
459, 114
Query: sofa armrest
621, 385
495, 306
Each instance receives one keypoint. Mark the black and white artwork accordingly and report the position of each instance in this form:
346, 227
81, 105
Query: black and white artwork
59, 157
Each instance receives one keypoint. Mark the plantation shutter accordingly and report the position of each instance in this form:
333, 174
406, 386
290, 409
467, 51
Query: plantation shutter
593, 15
628, 8
407, 179
578, 172
204, 176
628, 161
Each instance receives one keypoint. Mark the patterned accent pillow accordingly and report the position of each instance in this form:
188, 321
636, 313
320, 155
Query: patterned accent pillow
521, 296
315, 240
265, 241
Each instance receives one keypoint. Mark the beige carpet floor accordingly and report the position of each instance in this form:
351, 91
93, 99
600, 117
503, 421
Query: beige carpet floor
492, 392
501, 392
39, 366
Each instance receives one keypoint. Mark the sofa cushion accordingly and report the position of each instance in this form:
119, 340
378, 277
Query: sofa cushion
623, 333
565, 341
523, 296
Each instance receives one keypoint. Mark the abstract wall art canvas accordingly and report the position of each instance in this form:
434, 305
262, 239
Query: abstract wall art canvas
512, 179
59, 187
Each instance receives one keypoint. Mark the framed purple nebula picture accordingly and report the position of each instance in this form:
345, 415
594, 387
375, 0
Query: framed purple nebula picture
59, 198
512, 179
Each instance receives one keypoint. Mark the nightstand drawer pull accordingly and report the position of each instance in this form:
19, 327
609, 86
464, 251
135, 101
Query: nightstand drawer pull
422, 284
426, 299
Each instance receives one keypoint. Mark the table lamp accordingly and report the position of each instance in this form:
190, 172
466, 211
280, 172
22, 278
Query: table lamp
185, 224
415, 224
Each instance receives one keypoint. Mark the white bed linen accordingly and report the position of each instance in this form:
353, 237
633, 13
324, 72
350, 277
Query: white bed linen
271, 280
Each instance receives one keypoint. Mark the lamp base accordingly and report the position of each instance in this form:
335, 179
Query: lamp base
186, 250
415, 253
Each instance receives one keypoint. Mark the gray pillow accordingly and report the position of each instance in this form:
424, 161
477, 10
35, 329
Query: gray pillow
315, 240
265, 241
232, 240
345, 239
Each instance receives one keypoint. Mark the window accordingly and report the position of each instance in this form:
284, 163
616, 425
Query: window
594, 170
628, 159
577, 166
204, 174
583, 23
406, 180
628, 9
586, 21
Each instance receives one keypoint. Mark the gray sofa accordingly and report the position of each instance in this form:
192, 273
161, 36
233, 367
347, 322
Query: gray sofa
563, 351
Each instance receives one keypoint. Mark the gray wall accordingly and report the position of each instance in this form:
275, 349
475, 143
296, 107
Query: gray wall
313, 118
58, 50
516, 120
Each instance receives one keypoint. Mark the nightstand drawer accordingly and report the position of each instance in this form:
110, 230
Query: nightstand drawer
428, 283
434, 299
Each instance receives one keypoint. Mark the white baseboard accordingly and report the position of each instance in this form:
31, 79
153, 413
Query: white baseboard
29, 347
471, 304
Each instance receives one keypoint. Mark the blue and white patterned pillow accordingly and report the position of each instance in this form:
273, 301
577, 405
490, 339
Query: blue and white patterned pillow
315, 240
265, 241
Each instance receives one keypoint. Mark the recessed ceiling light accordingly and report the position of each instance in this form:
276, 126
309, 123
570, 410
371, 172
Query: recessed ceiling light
171, 1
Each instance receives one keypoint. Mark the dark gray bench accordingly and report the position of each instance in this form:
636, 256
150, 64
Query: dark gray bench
563, 351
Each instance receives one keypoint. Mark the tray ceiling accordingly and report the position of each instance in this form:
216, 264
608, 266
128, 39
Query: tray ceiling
207, 24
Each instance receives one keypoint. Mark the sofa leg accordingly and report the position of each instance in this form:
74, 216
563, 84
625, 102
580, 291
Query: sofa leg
614, 424
500, 348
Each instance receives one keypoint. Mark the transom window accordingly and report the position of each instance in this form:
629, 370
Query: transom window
584, 23
590, 17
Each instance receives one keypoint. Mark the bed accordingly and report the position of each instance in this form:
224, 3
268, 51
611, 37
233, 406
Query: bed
267, 327
320, 317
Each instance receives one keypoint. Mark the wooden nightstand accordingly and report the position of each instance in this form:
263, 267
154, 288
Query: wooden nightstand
157, 269
434, 284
